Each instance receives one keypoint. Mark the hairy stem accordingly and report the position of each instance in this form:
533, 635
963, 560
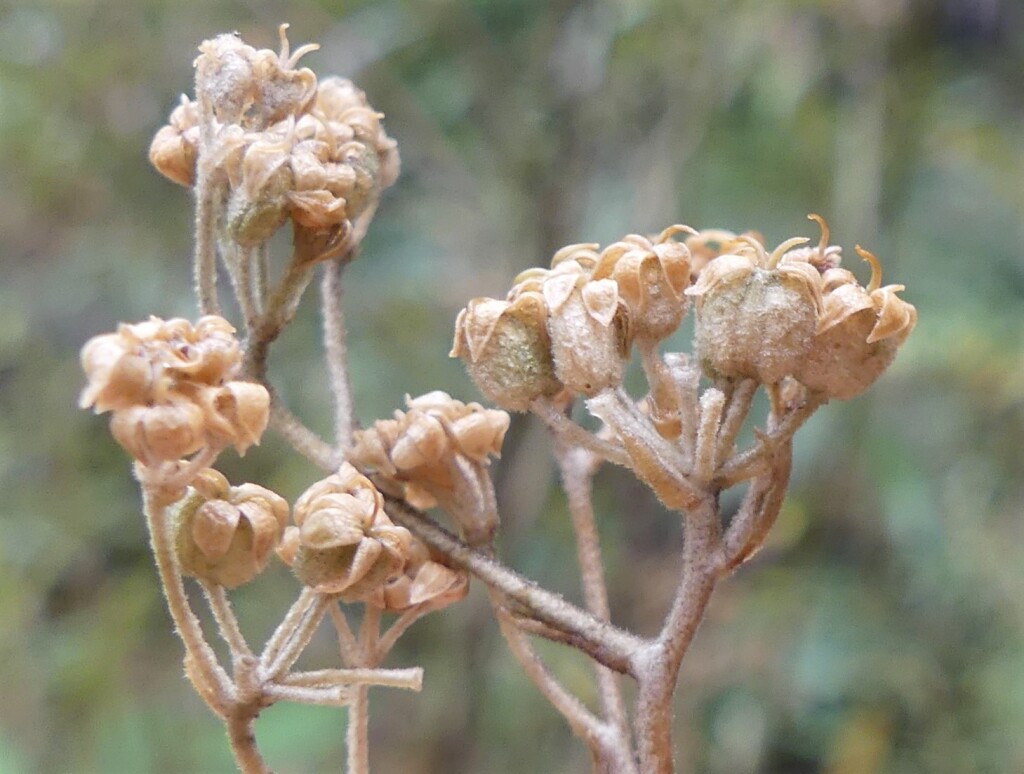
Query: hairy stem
227, 623
336, 352
658, 665
243, 743
215, 682
576, 466
606, 643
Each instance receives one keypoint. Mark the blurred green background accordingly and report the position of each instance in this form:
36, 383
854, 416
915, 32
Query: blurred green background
882, 630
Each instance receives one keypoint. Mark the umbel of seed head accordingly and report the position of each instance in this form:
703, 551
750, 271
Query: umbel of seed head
226, 535
343, 542
755, 316
170, 386
858, 333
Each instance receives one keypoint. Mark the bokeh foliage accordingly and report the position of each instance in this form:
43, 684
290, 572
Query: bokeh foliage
883, 627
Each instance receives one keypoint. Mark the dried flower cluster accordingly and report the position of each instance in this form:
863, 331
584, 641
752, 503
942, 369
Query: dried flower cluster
437, 453
171, 388
266, 143
281, 144
759, 315
343, 543
225, 534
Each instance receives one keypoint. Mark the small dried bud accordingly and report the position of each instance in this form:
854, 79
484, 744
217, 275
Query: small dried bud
858, 334
507, 349
226, 535
346, 543
258, 207
236, 413
587, 326
755, 316
119, 375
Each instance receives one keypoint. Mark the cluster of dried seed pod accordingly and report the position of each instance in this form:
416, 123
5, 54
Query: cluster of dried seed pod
225, 534
570, 327
344, 543
794, 312
760, 315
170, 385
436, 453
280, 144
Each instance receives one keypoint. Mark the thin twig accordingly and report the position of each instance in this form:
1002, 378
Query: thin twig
577, 479
565, 428
357, 735
657, 667
204, 664
608, 644
243, 744
301, 438
752, 461
300, 638
206, 191
336, 352
346, 638
736, 413
286, 629
336, 696
227, 623
582, 721
407, 679
712, 402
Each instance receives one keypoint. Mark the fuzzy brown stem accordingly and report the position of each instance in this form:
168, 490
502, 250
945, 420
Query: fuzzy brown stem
243, 743
658, 665
610, 645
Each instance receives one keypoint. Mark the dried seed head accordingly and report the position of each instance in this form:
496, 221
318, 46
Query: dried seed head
437, 452
507, 350
426, 581
346, 544
226, 535
253, 87
588, 327
651, 277
168, 383
176, 146
858, 334
755, 315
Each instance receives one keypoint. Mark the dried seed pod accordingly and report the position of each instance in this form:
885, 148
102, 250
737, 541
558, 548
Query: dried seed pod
425, 581
253, 87
175, 146
859, 332
588, 328
651, 277
346, 543
436, 453
755, 316
507, 349
161, 433
226, 535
